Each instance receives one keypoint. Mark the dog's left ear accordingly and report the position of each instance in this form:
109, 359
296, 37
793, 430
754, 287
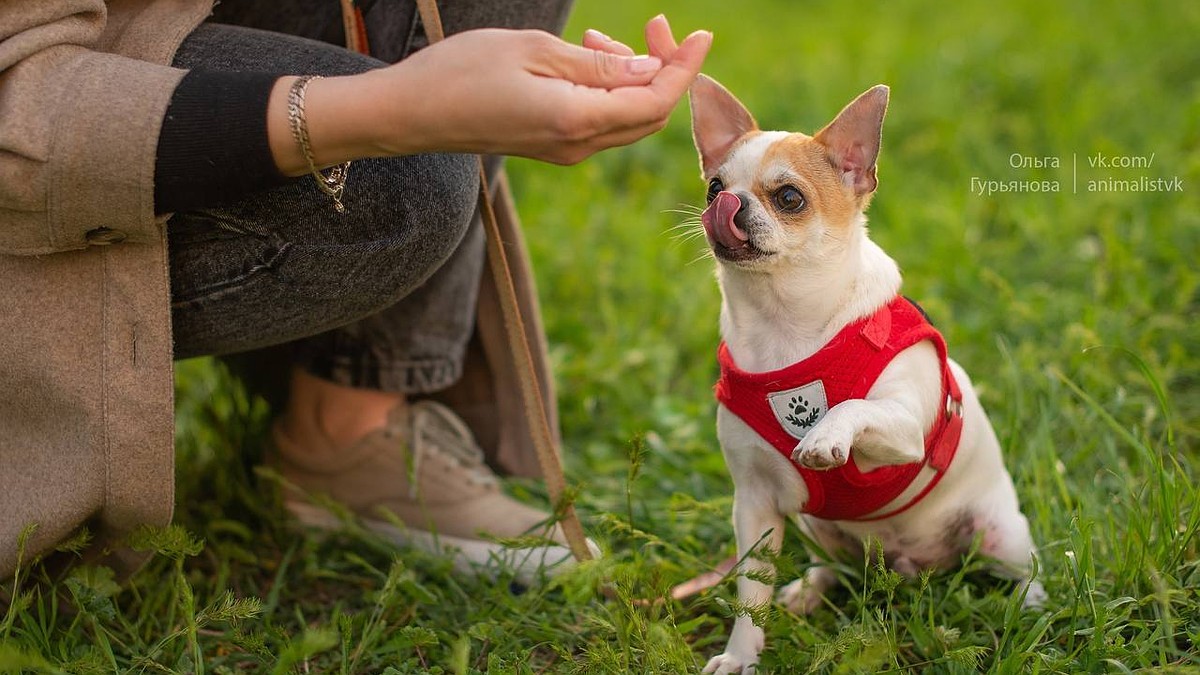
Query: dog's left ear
852, 139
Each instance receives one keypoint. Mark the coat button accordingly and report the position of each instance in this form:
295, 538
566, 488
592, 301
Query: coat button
103, 236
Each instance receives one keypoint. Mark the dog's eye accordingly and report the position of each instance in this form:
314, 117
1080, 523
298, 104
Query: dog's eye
714, 186
788, 198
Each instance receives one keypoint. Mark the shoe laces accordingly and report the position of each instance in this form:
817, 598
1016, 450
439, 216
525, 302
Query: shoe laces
437, 430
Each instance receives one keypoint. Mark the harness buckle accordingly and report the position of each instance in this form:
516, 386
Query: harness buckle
953, 407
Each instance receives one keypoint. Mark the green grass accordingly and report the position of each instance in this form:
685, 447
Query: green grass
1076, 314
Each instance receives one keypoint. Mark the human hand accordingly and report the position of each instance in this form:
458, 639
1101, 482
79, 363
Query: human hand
521, 93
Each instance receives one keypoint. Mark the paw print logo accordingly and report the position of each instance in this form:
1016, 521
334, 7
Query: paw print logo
803, 414
800, 409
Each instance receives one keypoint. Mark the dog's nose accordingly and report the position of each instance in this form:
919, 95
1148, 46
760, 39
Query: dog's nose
743, 212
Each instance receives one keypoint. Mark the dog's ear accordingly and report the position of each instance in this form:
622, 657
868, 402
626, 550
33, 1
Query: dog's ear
718, 121
852, 139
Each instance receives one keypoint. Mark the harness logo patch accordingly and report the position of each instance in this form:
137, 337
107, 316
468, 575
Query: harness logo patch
798, 410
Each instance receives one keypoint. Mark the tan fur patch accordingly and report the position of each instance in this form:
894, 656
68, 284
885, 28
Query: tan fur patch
826, 196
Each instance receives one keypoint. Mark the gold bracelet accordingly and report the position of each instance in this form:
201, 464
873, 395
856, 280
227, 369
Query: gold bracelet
333, 183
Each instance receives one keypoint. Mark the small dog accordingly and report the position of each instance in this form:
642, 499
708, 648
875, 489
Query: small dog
838, 403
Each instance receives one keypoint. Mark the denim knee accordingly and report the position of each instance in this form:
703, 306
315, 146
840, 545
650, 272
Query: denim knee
284, 264
404, 217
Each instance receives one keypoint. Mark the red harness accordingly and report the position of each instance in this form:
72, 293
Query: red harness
783, 405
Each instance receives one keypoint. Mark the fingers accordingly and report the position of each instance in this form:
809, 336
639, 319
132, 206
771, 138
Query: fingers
659, 39
604, 68
644, 105
574, 153
684, 64
623, 116
594, 39
604, 114
628, 136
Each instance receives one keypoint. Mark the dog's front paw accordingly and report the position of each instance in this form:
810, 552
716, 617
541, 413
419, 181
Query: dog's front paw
825, 447
724, 664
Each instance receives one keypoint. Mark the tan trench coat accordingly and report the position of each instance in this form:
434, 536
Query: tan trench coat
86, 420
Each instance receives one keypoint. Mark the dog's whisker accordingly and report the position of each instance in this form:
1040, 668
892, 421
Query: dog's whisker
683, 233
686, 227
686, 232
683, 239
686, 208
677, 244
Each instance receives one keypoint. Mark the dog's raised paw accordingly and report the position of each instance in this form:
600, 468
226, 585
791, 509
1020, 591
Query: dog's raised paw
823, 449
725, 664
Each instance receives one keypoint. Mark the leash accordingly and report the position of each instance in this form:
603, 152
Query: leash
514, 326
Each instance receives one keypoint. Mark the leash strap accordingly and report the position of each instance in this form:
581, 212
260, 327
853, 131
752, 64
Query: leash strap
355, 28
514, 326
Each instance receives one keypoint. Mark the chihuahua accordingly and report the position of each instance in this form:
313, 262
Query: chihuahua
838, 403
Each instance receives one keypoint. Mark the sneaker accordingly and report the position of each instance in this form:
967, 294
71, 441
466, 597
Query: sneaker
421, 481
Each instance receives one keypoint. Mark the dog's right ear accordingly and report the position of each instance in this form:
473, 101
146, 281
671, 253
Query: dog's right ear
718, 121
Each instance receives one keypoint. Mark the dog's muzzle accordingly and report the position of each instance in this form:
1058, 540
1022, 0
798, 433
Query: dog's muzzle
719, 223
728, 240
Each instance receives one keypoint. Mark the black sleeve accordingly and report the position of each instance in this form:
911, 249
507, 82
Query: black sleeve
213, 144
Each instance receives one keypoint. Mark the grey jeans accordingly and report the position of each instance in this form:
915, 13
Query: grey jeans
382, 296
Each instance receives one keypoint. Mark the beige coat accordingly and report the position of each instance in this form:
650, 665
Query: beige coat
86, 421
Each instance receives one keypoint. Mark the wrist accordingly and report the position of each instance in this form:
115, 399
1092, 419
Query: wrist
284, 150
387, 109
343, 123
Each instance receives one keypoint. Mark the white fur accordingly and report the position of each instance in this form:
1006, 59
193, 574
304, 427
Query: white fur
745, 158
781, 309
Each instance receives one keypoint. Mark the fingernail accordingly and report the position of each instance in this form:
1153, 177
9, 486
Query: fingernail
644, 64
597, 34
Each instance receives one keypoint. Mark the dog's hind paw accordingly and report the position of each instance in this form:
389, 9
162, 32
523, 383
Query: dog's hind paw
725, 664
1035, 595
803, 595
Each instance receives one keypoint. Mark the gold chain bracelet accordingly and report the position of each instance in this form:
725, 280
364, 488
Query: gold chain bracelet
333, 183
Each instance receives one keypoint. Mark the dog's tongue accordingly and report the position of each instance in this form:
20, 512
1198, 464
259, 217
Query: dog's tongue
718, 221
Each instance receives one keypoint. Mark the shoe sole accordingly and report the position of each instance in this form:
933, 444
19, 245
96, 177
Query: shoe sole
470, 556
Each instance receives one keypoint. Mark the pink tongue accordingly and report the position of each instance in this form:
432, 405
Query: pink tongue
718, 221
